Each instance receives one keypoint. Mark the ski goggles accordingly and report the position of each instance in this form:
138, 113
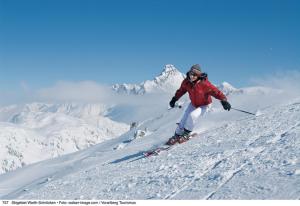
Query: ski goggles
191, 73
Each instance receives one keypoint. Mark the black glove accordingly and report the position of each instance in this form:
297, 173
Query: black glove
172, 102
226, 105
203, 76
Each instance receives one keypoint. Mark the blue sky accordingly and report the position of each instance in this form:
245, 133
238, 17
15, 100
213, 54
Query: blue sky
115, 41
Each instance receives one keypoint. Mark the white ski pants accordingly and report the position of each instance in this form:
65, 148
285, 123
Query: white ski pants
191, 117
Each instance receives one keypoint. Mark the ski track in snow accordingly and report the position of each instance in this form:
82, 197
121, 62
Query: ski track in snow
252, 158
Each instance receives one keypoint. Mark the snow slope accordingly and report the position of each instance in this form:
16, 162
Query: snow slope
242, 157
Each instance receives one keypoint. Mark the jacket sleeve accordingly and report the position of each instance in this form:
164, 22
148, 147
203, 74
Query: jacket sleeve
182, 90
215, 92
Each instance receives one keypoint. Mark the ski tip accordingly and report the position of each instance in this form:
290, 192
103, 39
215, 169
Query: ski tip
258, 113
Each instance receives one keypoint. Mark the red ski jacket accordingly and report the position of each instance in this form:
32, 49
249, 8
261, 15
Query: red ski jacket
200, 92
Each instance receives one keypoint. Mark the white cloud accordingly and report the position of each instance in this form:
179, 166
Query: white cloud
85, 91
288, 81
89, 91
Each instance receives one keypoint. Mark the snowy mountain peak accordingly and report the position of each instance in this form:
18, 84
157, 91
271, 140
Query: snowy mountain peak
227, 88
169, 72
168, 81
169, 69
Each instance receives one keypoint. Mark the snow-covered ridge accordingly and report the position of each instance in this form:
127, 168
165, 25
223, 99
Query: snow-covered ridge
76, 110
228, 89
19, 146
38, 131
168, 81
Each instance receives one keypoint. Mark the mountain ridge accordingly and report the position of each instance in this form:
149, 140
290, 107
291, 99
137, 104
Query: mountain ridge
168, 80
52, 130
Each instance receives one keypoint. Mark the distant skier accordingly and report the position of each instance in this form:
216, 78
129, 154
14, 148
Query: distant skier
200, 91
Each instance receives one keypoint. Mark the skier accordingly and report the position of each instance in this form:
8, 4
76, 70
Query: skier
200, 91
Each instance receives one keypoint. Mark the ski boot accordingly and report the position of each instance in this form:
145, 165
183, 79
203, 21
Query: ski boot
173, 140
184, 137
179, 138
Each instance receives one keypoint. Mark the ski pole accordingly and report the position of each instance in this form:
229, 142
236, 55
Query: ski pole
243, 111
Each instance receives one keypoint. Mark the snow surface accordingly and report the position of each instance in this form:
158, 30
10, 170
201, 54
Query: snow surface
245, 158
234, 155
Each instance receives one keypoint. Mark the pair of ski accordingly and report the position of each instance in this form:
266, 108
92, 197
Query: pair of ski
158, 150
